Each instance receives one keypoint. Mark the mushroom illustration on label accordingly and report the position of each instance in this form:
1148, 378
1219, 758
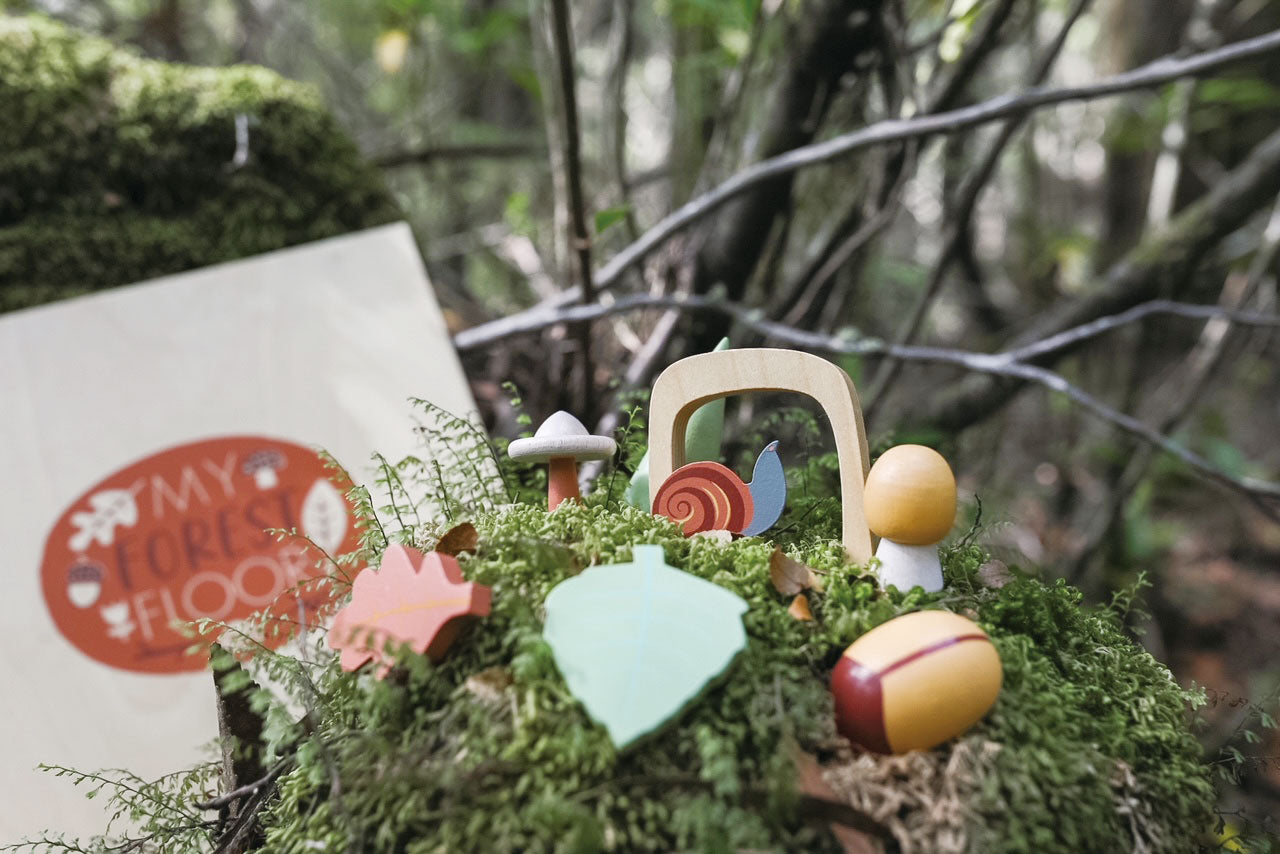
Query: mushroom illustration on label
562, 442
910, 499
263, 465
84, 583
707, 496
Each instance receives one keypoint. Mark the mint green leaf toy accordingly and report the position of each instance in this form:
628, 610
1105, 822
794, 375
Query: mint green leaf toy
637, 641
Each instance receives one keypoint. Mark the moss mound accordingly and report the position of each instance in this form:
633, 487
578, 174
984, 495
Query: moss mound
1088, 748
115, 168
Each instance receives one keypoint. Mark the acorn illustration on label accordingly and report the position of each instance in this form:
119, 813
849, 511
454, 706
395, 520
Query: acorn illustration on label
84, 583
116, 616
263, 465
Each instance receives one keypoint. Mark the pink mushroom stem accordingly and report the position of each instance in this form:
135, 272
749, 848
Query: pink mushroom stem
562, 481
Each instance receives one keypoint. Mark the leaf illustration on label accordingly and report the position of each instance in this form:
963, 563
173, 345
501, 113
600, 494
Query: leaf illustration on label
111, 507
637, 641
324, 516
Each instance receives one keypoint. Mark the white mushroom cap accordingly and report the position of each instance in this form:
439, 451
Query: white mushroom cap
562, 435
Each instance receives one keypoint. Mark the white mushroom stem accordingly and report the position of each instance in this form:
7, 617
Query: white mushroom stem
905, 567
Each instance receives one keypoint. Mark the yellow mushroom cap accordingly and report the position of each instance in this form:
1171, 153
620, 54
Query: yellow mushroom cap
910, 496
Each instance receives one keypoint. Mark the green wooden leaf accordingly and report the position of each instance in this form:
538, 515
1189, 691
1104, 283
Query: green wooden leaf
637, 641
701, 442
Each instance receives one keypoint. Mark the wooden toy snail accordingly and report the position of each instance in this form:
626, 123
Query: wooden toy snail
698, 380
915, 682
910, 497
707, 496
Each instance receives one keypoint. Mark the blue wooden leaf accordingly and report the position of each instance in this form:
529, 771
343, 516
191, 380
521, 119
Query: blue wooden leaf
768, 491
637, 641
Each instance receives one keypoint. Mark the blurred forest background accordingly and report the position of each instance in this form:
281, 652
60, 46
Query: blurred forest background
526, 142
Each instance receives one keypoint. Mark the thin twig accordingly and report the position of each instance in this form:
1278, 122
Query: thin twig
247, 789
1064, 340
580, 239
621, 43
1199, 366
857, 344
1147, 76
962, 215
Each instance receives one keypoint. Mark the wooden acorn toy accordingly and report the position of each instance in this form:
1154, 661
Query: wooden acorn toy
562, 442
707, 496
910, 497
915, 682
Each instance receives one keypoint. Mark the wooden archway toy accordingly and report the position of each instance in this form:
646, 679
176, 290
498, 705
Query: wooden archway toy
691, 382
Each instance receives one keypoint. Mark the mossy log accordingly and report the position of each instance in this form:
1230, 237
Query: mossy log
115, 168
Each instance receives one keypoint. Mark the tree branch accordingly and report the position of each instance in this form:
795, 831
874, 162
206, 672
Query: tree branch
1005, 364
1134, 279
1147, 76
580, 239
962, 215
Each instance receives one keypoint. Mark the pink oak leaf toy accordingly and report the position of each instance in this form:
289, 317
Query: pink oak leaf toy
411, 598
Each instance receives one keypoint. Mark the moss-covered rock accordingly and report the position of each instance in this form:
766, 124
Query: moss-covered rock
115, 168
1087, 749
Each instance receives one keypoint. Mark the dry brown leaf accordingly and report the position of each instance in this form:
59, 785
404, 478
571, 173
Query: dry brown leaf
489, 684
460, 538
790, 576
799, 608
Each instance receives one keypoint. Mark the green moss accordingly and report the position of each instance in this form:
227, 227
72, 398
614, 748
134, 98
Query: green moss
427, 763
115, 168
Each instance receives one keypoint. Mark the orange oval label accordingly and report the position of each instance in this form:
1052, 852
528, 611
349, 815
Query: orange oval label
182, 535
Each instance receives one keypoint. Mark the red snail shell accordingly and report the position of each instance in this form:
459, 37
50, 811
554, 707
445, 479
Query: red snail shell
705, 496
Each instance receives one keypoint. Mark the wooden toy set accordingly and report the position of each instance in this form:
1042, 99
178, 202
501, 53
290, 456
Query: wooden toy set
618, 632
698, 666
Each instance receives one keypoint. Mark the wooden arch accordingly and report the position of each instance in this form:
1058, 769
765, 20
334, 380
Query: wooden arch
691, 382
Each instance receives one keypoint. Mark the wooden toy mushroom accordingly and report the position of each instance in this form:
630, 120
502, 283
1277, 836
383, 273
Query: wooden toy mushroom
562, 442
910, 499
